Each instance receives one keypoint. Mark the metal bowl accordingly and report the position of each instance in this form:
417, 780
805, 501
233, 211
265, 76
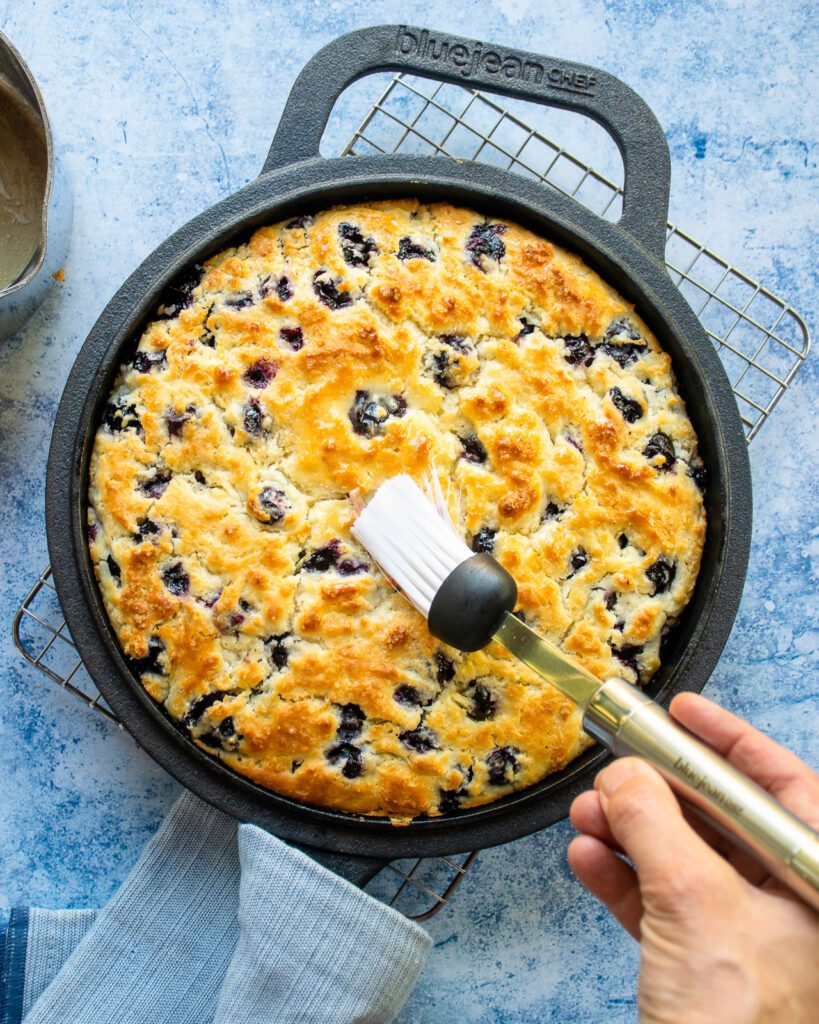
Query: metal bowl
23, 295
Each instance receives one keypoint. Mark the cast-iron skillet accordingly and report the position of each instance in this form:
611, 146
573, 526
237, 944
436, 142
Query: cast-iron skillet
295, 180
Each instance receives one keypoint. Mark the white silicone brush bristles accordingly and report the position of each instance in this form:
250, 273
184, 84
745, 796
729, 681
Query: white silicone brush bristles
412, 540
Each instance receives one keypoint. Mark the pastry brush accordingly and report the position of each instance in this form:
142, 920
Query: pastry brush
468, 599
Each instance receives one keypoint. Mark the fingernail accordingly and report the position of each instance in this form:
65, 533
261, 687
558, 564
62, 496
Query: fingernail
618, 773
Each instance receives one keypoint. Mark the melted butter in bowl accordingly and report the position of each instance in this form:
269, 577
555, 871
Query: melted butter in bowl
23, 172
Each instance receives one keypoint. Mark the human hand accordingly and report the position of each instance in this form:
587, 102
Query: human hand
721, 941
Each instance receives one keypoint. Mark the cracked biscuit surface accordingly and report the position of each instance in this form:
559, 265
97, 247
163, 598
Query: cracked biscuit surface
322, 357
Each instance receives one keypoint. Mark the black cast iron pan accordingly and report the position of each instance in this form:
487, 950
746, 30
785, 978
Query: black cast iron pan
295, 180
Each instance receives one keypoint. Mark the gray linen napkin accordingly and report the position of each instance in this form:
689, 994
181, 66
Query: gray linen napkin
216, 924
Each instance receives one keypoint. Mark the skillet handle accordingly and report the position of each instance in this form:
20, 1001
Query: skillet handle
356, 869
437, 55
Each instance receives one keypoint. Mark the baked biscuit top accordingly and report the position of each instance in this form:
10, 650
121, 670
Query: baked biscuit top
276, 388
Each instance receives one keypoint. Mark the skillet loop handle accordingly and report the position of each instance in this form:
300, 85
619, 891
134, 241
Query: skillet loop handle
356, 869
465, 62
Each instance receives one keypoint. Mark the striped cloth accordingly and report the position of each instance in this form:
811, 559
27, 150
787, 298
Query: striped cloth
216, 924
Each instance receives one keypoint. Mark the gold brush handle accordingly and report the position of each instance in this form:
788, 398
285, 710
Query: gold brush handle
626, 721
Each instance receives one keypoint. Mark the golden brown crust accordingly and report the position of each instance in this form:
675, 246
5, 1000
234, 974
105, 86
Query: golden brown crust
316, 361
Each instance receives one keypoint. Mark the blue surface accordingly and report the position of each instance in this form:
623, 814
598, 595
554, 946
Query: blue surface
163, 108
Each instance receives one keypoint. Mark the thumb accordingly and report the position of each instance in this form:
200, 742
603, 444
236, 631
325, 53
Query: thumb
673, 863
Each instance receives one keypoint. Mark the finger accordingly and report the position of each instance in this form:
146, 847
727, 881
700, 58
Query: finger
587, 816
608, 878
756, 755
751, 870
673, 863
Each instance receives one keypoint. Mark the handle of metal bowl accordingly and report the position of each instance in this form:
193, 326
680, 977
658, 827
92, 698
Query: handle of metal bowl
467, 62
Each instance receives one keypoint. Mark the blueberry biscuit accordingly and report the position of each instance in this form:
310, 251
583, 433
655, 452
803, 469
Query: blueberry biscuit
276, 388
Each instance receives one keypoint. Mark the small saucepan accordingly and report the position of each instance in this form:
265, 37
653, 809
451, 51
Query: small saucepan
35, 203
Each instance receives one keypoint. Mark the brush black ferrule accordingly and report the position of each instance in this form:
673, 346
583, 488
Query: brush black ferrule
471, 602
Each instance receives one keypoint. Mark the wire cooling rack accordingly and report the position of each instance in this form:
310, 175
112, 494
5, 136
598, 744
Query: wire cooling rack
761, 340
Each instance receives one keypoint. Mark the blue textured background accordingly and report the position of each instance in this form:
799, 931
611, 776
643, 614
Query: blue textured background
162, 108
